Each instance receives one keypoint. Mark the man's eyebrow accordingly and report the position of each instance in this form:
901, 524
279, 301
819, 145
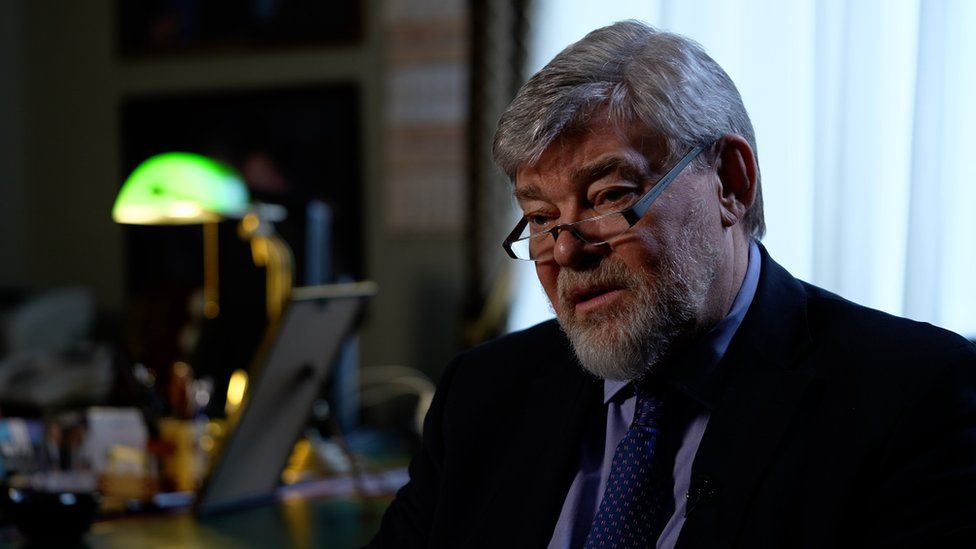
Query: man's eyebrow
528, 192
631, 168
606, 166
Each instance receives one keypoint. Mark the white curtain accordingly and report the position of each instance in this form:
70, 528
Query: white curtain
865, 118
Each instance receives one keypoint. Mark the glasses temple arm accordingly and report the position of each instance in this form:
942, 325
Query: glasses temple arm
513, 236
637, 211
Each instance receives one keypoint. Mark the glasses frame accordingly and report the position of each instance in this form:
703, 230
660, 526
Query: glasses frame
631, 214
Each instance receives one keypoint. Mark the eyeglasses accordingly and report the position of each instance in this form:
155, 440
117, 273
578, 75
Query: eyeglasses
598, 230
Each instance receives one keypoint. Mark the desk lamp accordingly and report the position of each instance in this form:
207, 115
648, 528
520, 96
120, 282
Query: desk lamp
178, 188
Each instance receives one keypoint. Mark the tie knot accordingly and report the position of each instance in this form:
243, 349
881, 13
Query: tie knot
649, 405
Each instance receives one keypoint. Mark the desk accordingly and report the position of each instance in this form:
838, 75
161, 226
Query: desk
294, 522
298, 523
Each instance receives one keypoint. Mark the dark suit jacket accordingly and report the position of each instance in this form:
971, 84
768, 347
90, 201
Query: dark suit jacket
837, 426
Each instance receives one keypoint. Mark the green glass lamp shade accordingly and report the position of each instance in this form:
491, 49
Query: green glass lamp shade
179, 188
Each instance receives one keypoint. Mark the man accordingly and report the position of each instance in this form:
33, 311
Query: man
693, 393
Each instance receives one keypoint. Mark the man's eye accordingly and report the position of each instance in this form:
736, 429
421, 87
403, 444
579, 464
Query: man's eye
539, 221
614, 197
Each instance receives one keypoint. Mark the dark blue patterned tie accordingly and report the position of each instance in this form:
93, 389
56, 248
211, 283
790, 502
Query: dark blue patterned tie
637, 502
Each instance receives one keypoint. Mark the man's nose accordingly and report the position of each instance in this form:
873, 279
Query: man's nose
571, 251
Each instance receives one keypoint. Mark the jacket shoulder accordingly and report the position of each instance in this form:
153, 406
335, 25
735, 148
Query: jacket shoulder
532, 351
872, 333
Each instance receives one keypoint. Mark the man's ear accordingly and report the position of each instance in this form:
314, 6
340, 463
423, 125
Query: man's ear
735, 164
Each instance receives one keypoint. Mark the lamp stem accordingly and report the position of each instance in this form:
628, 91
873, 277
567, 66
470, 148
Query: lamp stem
279, 276
211, 283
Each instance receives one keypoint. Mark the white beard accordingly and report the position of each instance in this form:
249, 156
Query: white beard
625, 340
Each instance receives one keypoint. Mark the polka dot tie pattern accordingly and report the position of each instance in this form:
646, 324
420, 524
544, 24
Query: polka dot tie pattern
637, 502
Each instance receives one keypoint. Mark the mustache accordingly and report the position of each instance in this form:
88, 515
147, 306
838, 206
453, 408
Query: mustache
610, 272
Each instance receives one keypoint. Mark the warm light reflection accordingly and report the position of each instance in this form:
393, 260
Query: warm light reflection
207, 443
136, 215
139, 215
298, 462
235, 391
185, 209
250, 223
181, 369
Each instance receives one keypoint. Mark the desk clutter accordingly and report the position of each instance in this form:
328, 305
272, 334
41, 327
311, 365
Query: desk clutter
89, 435
69, 467
100, 463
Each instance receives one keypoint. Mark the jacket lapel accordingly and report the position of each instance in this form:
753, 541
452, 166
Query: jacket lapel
544, 455
762, 393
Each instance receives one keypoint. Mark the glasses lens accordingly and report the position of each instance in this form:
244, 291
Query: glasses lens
595, 230
533, 247
602, 228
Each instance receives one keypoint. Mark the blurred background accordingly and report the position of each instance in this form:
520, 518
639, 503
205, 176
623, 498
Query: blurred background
360, 132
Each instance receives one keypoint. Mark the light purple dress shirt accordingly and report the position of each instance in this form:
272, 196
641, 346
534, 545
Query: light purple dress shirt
583, 498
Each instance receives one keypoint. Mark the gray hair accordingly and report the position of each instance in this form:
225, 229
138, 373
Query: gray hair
663, 82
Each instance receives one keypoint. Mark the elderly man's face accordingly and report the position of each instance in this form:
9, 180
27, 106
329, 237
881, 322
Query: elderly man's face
623, 305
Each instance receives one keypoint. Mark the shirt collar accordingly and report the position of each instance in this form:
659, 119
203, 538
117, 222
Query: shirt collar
695, 378
611, 387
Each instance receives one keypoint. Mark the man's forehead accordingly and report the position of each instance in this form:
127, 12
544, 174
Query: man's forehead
599, 138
